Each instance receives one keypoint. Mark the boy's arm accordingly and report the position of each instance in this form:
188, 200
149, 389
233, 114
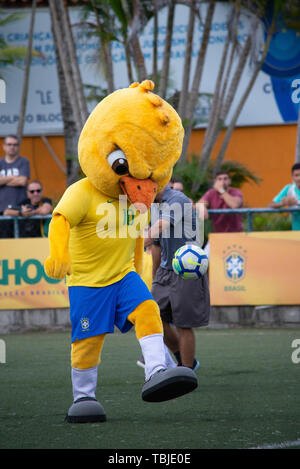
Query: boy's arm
280, 200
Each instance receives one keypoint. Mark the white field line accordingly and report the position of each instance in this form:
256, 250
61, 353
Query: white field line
284, 444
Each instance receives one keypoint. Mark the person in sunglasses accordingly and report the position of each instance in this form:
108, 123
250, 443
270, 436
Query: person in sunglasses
34, 204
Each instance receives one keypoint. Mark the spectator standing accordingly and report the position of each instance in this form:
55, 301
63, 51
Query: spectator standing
290, 196
14, 175
222, 196
33, 204
184, 304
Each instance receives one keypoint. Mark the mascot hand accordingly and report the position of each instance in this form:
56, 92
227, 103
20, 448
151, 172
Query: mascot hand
58, 268
58, 264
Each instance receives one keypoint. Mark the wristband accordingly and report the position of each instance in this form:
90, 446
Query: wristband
221, 192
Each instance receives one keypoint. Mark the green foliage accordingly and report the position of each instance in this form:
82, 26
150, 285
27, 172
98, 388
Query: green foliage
94, 93
272, 222
9, 18
239, 173
188, 172
10, 55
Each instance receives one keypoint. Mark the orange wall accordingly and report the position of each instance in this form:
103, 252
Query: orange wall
43, 166
267, 151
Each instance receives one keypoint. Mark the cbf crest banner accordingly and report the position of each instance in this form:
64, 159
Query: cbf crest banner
235, 265
258, 268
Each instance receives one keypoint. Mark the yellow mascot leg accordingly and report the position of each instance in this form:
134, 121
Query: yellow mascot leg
146, 319
86, 353
85, 358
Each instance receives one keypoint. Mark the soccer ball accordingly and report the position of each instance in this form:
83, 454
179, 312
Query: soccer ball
190, 262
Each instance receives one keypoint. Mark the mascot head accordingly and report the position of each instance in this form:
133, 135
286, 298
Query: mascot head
130, 143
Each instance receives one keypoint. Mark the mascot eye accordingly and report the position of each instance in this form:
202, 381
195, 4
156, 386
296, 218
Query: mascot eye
118, 162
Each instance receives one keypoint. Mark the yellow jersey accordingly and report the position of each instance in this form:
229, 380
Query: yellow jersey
103, 234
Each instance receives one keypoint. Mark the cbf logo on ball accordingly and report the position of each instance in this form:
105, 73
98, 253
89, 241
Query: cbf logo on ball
234, 263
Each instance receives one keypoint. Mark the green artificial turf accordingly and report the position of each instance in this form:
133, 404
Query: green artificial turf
248, 394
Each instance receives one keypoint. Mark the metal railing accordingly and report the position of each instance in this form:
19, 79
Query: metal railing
249, 212
17, 219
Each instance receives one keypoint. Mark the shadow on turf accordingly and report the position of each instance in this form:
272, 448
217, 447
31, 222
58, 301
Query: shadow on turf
236, 373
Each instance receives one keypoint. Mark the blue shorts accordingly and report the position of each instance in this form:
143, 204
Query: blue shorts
96, 310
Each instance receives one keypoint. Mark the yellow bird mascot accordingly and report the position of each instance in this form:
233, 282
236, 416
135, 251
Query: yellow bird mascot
127, 150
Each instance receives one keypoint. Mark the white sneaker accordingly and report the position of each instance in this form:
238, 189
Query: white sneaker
196, 365
141, 362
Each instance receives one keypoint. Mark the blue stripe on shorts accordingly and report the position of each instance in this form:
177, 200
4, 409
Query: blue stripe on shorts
96, 310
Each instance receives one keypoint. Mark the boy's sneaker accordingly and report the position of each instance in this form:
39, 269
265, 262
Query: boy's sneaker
196, 365
141, 362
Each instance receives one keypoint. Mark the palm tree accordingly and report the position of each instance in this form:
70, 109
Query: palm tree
193, 95
167, 51
243, 99
73, 102
226, 85
105, 43
10, 55
26, 75
187, 62
297, 151
282, 10
70, 128
291, 17
65, 46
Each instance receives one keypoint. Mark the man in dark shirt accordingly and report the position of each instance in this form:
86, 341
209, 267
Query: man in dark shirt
33, 204
14, 175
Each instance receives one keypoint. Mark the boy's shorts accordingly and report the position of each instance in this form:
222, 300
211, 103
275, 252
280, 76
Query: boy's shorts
185, 303
97, 310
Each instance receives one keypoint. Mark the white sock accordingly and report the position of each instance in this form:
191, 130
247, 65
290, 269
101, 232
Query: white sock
153, 351
169, 360
84, 382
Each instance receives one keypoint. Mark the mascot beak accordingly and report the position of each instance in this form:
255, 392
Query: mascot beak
140, 192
